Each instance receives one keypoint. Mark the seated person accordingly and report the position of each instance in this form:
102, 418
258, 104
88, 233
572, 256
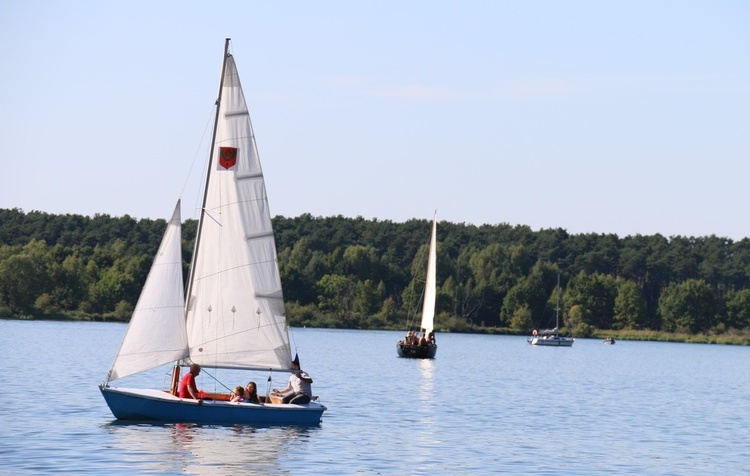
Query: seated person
251, 393
299, 390
187, 385
238, 394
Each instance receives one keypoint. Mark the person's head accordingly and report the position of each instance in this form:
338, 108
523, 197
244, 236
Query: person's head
239, 391
295, 362
195, 369
251, 389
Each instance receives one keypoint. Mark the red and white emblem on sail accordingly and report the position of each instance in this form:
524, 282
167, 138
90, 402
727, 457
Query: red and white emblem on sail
227, 157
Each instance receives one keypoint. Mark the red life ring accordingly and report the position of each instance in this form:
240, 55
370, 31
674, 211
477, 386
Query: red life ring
534, 332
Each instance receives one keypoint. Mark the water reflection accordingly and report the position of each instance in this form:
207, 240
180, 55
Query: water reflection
207, 449
426, 434
677, 409
426, 371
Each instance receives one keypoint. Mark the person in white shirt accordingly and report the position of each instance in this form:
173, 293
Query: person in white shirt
299, 390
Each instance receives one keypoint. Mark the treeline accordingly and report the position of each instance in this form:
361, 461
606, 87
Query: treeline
357, 273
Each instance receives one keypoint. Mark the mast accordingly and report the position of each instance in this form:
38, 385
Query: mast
208, 176
557, 306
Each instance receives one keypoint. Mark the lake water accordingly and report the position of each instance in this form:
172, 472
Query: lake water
485, 405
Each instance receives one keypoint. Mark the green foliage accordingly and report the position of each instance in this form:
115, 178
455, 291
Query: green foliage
357, 273
630, 306
688, 305
529, 295
24, 276
738, 309
595, 295
521, 319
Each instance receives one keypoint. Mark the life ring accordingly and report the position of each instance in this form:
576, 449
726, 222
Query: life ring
533, 332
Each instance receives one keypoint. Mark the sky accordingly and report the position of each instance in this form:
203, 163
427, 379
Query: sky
626, 117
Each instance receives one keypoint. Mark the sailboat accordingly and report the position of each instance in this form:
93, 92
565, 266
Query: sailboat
422, 344
551, 337
232, 316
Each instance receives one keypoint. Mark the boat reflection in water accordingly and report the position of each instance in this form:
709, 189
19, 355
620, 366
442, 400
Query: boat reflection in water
191, 448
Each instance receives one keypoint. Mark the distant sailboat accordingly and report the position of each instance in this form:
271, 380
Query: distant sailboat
422, 345
234, 315
551, 337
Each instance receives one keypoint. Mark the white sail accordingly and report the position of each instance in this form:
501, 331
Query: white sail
235, 310
232, 315
430, 291
156, 333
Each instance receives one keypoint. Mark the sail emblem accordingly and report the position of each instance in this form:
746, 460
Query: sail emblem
227, 157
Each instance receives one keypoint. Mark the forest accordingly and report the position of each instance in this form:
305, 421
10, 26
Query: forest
355, 273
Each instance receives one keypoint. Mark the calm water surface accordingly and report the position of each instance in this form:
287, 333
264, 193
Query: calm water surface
487, 404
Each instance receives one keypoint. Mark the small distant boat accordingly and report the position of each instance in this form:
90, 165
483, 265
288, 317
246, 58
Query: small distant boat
609, 341
551, 337
422, 344
233, 316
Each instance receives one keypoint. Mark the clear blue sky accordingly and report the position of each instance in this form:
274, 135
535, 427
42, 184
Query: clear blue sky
627, 117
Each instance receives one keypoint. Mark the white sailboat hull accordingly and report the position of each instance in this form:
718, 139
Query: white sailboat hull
155, 405
552, 341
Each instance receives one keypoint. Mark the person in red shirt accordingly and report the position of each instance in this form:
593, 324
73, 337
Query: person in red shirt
187, 385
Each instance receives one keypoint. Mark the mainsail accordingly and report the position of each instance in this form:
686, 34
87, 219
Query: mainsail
156, 333
235, 309
428, 306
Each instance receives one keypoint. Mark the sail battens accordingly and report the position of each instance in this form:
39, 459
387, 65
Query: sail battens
159, 308
255, 236
229, 114
273, 295
250, 176
256, 175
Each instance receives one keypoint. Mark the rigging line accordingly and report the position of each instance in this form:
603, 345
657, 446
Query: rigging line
240, 332
197, 152
208, 214
292, 341
216, 380
422, 258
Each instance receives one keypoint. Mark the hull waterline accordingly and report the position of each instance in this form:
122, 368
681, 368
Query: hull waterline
156, 405
416, 351
552, 342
